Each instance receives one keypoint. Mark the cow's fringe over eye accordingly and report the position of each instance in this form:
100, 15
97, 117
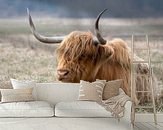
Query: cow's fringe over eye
77, 44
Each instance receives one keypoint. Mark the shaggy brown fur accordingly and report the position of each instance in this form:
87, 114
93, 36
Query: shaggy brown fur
86, 61
117, 67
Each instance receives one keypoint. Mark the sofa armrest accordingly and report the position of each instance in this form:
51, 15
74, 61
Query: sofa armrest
125, 121
127, 112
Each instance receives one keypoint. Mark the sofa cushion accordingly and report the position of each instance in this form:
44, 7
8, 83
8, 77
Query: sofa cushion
26, 109
80, 109
16, 95
111, 89
91, 91
21, 84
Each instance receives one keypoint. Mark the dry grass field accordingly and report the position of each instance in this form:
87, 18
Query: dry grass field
23, 57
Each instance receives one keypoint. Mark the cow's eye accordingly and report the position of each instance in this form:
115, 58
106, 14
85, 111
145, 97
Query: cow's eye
83, 56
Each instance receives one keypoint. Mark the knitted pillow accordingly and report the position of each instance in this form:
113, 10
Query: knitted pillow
91, 91
111, 89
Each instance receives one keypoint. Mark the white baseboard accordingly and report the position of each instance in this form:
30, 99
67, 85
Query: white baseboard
148, 117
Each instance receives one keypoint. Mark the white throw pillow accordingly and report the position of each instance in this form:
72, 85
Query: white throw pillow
20, 84
16, 95
80, 109
26, 109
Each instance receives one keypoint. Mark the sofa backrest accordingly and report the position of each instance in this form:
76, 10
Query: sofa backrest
57, 92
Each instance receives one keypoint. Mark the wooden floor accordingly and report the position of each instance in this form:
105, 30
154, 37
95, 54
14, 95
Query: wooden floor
148, 126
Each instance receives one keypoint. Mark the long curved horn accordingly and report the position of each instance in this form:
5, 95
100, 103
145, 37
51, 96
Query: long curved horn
41, 38
97, 32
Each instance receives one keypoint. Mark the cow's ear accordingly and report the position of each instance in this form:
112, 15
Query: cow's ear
110, 51
106, 52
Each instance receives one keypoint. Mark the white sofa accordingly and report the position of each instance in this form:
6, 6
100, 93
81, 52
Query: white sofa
65, 112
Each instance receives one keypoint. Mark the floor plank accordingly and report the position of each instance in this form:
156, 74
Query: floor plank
157, 126
152, 127
136, 128
140, 126
148, 126
161, 124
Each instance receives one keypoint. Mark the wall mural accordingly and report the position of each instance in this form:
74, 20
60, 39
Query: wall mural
80, 55
83, 56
